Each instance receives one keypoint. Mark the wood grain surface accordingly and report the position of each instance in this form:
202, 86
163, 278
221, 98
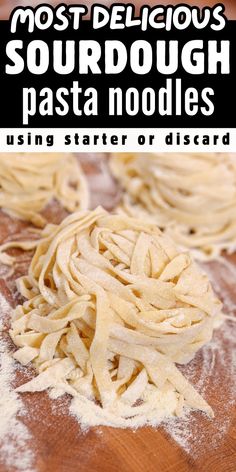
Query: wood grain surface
202, 445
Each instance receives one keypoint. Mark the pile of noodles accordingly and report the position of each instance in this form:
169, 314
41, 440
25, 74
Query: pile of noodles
111, 306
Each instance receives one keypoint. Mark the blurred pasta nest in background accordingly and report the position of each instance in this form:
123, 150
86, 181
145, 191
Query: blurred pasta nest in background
192, 197
29, 182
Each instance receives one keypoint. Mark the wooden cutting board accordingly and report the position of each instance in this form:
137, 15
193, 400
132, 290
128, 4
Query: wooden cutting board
194, 444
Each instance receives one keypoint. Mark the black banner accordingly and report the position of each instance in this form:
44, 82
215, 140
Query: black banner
171, 91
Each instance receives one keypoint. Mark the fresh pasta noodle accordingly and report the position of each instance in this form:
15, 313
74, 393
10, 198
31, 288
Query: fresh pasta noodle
192, 197
28, 182
111, 306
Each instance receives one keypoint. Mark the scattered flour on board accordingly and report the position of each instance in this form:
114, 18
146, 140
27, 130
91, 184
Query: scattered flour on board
15, 453
217, 373
191, 432
216, 359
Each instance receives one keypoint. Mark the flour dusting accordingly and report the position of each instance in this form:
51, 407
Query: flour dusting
14, 436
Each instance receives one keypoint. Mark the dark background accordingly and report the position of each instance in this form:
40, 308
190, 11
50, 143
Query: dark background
224, 85
11, 85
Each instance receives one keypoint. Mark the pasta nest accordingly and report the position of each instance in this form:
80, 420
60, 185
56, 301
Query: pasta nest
192, 197
28, 182
111, 306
